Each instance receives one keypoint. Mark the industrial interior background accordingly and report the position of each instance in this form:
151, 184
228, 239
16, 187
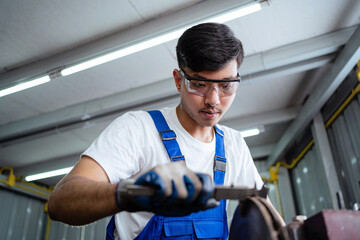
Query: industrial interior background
299, 88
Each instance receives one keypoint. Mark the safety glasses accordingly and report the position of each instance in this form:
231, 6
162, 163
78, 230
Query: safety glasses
203, 86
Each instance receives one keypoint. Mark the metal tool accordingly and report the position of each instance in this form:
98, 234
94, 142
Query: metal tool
220, 192
238, 193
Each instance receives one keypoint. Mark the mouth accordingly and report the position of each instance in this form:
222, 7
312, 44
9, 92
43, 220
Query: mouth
209, 113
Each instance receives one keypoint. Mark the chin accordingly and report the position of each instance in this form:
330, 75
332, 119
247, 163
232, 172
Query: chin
209, 123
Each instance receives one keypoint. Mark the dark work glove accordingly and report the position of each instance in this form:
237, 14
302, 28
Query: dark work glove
178, 191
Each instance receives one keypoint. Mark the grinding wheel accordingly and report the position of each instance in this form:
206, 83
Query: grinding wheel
254, 219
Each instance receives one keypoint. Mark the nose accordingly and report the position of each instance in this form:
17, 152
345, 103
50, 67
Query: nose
212, 98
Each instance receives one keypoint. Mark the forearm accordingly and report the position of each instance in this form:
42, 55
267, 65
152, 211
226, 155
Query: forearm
79, 201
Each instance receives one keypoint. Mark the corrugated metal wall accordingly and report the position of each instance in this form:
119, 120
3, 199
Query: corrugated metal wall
23, 217
312, 193
344, 136
94, 231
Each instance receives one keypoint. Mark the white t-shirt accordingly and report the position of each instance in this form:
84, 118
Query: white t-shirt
131, 145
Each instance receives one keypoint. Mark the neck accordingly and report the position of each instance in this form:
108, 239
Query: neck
201, 133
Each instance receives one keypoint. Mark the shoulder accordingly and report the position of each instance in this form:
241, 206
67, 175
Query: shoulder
138, 122
132, 115
142, 116
230, 133
132, 118
233, 139
131, 124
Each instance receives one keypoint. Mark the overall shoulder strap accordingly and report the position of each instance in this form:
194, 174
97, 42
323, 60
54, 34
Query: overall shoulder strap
219, 159
167, 135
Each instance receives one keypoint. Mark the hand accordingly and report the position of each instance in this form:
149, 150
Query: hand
178, 191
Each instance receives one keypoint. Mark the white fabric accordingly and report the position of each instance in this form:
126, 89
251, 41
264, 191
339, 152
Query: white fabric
131, 145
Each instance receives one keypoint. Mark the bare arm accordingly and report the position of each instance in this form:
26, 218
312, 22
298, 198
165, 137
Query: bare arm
84, 195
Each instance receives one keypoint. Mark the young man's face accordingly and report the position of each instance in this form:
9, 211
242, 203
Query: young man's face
207, 110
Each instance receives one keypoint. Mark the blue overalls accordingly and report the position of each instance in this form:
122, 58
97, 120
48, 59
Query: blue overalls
208, 224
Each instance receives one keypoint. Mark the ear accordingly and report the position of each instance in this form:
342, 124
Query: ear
177, 78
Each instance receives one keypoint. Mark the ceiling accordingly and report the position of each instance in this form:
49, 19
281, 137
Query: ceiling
289, 45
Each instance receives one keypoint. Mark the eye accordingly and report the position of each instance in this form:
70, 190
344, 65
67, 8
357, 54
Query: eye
226, 86
196, 84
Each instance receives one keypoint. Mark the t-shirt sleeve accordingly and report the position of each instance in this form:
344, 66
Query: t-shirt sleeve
117, 148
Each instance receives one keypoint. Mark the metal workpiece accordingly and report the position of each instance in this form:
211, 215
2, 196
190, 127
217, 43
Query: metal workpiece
238, 193
333, 224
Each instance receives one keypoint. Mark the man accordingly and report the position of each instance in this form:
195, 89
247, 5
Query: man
178, 163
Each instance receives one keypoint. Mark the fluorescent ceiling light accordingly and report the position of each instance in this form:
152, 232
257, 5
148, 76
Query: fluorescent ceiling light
54, 173
25, 85
158, 40
123, 52
236, 13
250, 132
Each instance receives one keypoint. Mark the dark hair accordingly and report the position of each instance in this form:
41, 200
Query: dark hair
208, 47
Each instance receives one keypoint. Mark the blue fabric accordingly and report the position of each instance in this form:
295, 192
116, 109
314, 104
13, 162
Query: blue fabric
168, 136
110, 229
211, 223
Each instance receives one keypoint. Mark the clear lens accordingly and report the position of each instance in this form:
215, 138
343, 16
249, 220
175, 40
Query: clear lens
203, 88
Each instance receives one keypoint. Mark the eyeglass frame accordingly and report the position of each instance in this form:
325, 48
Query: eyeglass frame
188, 78
182, 72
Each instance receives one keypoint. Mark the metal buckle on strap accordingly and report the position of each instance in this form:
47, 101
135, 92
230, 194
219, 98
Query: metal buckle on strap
167, 138
219, 165
177, 158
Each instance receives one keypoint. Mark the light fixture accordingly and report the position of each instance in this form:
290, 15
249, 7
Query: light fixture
237, 13
48, 174
123, 52
250, 132
25, 85
225, 17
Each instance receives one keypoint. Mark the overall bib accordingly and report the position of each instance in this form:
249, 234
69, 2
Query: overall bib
208, 224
